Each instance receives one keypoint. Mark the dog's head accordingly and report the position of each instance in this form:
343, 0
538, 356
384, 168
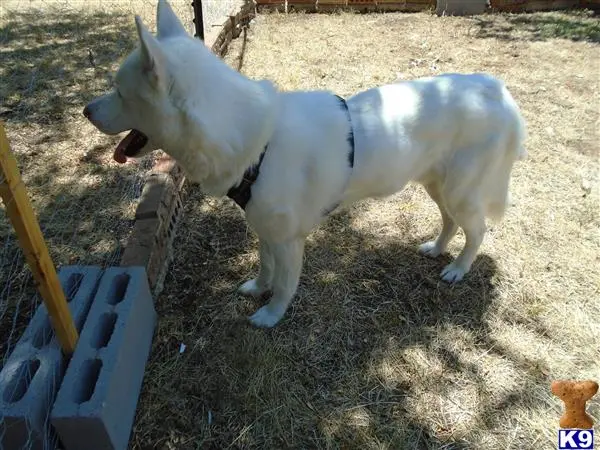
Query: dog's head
140, 99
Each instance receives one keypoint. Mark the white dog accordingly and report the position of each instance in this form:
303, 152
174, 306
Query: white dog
289, 158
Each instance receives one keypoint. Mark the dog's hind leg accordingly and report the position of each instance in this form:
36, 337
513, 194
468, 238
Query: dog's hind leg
260, 285
472, 220
449, 228
288, 265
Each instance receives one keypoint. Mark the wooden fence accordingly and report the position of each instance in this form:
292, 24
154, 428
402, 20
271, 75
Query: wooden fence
420, 5
360, 5
540, 5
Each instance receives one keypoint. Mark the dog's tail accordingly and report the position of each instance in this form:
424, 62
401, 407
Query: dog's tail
516, 124
499, 197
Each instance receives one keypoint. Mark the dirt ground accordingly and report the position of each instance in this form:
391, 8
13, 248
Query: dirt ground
376, 352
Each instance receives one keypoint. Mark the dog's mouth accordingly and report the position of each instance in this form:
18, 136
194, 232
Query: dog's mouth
130, 146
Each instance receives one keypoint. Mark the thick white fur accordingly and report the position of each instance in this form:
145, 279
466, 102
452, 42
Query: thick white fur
458, 135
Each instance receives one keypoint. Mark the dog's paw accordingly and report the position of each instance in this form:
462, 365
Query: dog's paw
265, 318
252, 289
430, 249
452, 273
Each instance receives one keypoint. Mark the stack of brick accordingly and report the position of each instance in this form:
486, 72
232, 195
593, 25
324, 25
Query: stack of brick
156, 217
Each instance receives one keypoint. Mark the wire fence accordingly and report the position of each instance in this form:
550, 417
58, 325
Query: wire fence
56, 56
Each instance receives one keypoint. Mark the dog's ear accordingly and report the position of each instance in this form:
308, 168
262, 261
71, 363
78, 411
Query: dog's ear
168, 23
150, 53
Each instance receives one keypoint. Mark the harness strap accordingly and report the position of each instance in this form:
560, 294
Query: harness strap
350, 142
351, 133
242, 192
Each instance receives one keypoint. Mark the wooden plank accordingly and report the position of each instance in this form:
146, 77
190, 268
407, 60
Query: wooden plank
24, 221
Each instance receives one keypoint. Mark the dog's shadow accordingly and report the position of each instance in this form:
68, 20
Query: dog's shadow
363, 300
342, 264
386, 274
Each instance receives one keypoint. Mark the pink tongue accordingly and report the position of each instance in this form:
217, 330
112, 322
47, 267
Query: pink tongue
119, 155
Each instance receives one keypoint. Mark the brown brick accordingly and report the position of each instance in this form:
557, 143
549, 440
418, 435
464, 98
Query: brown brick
156, 195
158, 261
164, 236
169, 166
140, 243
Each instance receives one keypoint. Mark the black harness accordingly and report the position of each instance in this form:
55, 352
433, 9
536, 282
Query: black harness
242, 192
351, 133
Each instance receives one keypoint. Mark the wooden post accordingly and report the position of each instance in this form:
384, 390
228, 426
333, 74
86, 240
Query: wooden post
22, 216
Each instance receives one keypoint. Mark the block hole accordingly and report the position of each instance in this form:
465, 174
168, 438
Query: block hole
173, 222
177, 207
72, 286
18, 385
44, 335
104, 330
118, 288
86, 383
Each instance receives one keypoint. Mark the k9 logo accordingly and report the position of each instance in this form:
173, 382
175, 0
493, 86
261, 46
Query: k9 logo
575, 439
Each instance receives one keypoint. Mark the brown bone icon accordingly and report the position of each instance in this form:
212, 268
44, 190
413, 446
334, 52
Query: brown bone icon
575, 394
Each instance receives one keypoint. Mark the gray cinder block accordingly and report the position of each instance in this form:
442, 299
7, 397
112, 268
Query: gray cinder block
33, 372
460, 7
95, 406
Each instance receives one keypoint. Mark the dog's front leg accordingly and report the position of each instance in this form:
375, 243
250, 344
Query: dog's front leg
260, 285
288, 265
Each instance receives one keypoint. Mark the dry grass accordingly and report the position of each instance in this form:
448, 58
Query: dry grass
84, 201
376, 352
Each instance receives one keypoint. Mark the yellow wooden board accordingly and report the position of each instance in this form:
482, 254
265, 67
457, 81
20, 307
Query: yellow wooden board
24, 221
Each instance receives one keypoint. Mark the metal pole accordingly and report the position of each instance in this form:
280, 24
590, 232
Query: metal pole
198, 19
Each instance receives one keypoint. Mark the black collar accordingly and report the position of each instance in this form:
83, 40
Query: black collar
242, 192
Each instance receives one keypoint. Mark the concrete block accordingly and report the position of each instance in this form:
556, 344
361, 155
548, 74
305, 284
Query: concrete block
460, 7
95, 406
33, 372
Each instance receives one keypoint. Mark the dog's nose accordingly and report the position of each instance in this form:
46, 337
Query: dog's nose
86, 112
